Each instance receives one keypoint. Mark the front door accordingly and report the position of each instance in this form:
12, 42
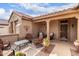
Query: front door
64, 30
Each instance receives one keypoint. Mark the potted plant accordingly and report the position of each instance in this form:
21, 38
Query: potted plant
20, 54
76, 43
46, 43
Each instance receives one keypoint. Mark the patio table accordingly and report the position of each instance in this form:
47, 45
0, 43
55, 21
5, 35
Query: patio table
20, 43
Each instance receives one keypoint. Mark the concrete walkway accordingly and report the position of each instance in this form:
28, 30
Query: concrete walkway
62, 48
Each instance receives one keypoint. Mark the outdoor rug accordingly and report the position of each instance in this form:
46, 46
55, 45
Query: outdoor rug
46, 53
74, 53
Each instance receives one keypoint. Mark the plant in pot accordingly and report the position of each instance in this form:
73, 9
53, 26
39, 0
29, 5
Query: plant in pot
46, 43
76, 43
20, 54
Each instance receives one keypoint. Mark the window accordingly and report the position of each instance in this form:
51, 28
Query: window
16, 22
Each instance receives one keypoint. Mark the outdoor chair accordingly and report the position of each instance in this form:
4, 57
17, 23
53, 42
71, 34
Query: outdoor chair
7, 45
39, 40
1, 44
1, 52
29, 37
76, 44
4, 46
52, 36
41, 34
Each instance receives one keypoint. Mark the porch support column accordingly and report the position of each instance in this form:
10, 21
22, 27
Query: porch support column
77, 28
48, 29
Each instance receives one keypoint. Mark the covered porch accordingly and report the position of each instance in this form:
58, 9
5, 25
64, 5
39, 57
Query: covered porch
63, 28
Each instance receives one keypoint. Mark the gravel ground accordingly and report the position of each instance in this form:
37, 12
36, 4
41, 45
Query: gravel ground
32, 50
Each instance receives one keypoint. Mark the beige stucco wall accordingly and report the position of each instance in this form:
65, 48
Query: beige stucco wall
25, 24
54, 27
73, 29
42, 27
9, 37
17, 28
4, 29
39, 27
35, 29
20, 27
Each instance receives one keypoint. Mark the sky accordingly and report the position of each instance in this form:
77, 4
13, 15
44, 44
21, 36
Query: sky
32, 9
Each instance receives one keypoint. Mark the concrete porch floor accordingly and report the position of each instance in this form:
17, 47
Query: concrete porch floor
62, 48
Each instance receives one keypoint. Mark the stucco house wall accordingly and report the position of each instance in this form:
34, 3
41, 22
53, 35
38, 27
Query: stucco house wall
26, 27
35, 29
54, 27
42, 27
9, 37
4, 29
17, 27
39, 27
73, 29
22, 26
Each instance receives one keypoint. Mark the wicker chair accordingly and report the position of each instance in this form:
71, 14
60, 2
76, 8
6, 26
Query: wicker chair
1, 44
1, 52
4, 46
29, 37
38, 42
51, 36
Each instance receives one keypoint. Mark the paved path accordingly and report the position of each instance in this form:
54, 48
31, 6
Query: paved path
62, 49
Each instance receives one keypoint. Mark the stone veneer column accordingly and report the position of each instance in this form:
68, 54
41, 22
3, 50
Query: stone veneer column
14, 27
48, 29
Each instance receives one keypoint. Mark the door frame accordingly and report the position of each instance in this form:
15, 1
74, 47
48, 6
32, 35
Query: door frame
60, 29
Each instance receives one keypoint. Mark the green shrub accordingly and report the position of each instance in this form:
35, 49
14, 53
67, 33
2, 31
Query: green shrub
46, 42
20, 54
